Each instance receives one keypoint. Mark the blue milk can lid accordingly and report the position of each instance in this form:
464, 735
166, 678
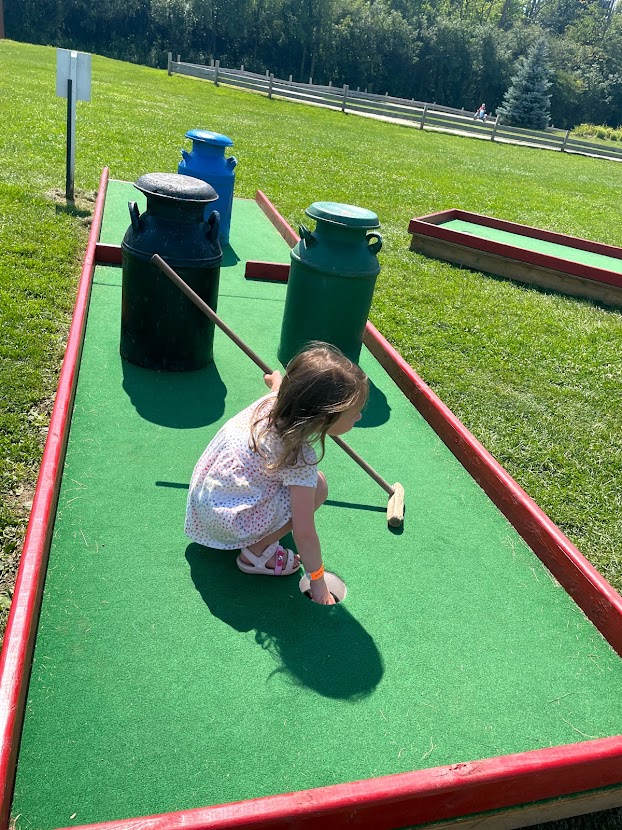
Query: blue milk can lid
349, 215
209, 137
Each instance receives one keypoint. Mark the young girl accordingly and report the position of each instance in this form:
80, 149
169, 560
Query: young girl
258, 477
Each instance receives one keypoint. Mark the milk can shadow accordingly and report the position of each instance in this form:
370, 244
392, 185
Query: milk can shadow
180, 400
377, 410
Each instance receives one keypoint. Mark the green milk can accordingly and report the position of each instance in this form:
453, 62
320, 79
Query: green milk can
331, 280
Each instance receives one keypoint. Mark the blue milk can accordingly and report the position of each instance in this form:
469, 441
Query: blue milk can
207, 161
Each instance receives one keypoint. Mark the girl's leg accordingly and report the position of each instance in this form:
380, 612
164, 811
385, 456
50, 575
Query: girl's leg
321, 494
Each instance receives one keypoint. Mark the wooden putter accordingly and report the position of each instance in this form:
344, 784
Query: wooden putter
395, 507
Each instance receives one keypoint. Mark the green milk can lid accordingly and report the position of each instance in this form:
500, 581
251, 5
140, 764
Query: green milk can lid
349, 215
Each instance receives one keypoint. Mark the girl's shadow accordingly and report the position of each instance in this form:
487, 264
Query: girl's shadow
321, 647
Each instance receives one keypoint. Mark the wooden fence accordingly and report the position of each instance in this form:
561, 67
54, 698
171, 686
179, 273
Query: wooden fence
418, 113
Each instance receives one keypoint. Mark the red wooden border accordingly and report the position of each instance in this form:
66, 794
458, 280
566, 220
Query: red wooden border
408, 798
525, 230
21, 628
286, 230
592, 593
428, 226
108, 254
375, 804
270, 271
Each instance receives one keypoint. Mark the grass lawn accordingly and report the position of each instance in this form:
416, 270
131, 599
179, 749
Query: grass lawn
536, 377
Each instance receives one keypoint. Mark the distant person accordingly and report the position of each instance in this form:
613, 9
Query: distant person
481, 114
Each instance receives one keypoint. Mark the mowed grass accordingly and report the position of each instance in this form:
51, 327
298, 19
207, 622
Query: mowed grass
536, 377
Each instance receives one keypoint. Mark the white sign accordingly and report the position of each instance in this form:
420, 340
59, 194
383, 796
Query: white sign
74, 67
77, 66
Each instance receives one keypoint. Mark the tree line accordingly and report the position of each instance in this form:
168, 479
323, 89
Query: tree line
452, 52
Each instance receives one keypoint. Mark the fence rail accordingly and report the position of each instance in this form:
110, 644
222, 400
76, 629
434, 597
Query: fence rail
420, 113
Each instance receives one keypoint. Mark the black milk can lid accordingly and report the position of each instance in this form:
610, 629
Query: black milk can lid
209, 137
349, 215
177, 187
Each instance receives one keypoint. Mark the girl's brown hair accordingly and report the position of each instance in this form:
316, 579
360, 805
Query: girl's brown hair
319, 384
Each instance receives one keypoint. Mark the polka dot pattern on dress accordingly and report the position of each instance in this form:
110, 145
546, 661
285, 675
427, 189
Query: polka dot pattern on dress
234, 500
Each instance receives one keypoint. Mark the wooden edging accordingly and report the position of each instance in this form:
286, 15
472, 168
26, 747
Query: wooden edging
428, 227
19, 638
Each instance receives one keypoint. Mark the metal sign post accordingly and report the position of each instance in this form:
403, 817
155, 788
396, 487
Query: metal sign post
73, 82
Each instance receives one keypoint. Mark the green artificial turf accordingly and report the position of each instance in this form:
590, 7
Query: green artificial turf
541, 246
165, 679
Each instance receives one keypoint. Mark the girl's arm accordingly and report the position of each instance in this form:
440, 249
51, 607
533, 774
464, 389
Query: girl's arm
307, 540
273, 381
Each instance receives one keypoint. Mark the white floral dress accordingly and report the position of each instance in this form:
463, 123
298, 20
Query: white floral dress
234, 501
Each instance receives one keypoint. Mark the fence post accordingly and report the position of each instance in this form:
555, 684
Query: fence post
241, 67
494, 129
310, 81
345, 97
563, 147
291, 78
270, 85
216, 68
178, 58
170, 63
423, 114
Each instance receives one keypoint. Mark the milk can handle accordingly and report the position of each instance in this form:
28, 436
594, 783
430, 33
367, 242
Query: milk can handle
377, 245
213, 226
231, 162
134, 215
306, 236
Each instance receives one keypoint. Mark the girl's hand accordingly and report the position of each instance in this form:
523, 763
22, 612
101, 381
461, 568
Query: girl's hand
320, 593
273, 381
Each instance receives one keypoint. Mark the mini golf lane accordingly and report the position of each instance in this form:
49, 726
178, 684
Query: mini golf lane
165, 680
570, 265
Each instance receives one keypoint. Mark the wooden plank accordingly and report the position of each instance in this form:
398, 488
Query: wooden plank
269, 271
18, 644
536, 813
600, 602
107, 254
515, 269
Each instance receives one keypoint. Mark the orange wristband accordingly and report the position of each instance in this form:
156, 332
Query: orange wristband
316, 574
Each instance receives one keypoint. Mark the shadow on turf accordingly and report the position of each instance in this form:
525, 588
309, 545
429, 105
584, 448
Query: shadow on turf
377, 410
181, 400
320, 647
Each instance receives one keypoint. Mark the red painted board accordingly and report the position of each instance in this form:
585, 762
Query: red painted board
270, 271
410, 798
593, 594
107, 254
19, 637
430, 227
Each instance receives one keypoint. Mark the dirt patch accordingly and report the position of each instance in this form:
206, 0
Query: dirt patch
82, 205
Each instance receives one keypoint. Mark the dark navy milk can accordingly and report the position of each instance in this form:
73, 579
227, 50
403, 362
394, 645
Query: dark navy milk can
160, 327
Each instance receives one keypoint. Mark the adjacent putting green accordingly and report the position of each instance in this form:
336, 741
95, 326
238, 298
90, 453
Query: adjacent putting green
540, 246
165, 679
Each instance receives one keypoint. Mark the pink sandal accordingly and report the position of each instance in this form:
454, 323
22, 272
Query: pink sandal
284, 564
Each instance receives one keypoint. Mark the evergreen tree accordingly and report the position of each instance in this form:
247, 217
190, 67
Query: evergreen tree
526, 103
